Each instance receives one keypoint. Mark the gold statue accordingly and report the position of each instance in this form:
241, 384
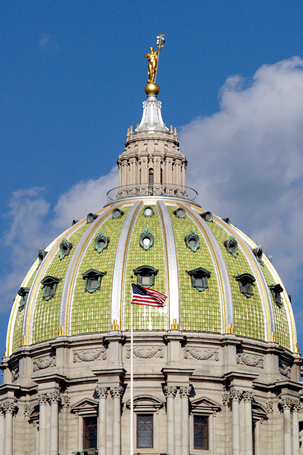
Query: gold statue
153, 59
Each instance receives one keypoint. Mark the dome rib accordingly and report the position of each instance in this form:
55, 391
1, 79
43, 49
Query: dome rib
72, 272
226, 302
173, 291
269, 323
120, 264
289, 312
34, 291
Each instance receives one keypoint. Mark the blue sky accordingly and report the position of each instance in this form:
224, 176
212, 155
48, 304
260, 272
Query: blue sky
72, 80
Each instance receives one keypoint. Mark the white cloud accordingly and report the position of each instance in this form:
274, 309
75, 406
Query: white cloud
44, 41
33, 224
246, 161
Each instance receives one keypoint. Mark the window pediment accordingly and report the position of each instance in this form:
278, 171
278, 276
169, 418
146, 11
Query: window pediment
199, 278
204, 405
145, 275
50, 285
84, 407
146, 403
92, 279
246, 283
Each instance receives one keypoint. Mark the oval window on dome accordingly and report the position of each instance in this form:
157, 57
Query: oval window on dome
117, 213
101, 242
180, 213
146, 239
192, 241
91, 217
207, 216
64, 248
148, 211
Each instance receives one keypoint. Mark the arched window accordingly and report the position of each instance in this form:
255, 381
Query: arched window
151, 177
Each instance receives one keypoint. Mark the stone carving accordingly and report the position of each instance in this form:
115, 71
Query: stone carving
296, 405
116, 392
65, 400
146, 352
284, 369
9, 407
269, 407
44, 362
201, 354
185, 391
225, 398
1, 410
89, 355
27, 410
55, 396
101, 392
170, 391
43, 398
15, 372
251, 360
247, 396
285, 403
235, 395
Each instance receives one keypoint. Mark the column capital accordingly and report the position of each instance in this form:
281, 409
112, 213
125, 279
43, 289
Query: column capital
247, 396
184, 391
285, 403
296, 405
9, 407
235, 395
101, 392
43, 398
269, 407
65, 400
170, 391
54, 397
226, 398
116, 392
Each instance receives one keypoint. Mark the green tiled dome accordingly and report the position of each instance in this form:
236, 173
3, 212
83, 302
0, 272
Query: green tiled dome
181, 244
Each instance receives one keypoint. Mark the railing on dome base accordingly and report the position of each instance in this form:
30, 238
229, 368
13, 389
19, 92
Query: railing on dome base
86, 452
168, 190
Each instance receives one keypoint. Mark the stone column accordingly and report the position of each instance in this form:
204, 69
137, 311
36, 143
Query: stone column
235, 396
286, 406
116, 393
295, 426
170, 393
2, 429
9, 408
54, 424
247, 397
43, 401
184, 393
102, 395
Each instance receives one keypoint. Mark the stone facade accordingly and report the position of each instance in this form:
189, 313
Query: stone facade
235, 382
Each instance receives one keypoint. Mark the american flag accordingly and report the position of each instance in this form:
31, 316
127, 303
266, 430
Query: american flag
145, 296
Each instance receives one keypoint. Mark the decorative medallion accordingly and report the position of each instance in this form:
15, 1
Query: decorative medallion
201, 354
250, 360
146, 352
146, 239
232, 246
64, 248
148, 211
41, 363
89, 355
101, 242
192, 241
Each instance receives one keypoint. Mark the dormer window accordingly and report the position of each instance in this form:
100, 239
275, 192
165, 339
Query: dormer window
276, 290
41, 255
117, 213
50, 285
180, 213
92, 280
246, 284
146, 275
199, 278
232, 246
23, 292
64, 248
101, 242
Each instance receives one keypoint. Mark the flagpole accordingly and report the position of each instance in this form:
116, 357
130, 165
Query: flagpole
131, 382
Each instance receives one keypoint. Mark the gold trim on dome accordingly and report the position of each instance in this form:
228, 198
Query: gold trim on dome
230, 328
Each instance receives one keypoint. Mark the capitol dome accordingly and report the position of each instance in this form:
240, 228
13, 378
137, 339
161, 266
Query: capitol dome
214, 369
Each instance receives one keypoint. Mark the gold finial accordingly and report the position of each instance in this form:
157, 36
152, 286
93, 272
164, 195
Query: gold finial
61, 331
152, 88
230, 328
297, 348
174, 325
5, 352
273, 337
115, 325
23, 340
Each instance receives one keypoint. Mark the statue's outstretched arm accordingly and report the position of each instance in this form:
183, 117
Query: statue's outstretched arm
146, 55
